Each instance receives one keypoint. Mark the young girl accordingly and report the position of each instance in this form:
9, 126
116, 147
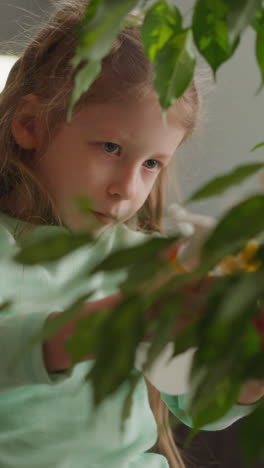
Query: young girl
115, 151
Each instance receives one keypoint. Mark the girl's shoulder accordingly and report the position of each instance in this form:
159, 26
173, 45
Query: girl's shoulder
7, 235
14, 232
7, 222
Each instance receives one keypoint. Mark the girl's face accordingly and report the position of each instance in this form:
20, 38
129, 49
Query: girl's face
112, 153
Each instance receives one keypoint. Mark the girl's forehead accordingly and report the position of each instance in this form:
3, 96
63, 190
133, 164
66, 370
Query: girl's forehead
130, 112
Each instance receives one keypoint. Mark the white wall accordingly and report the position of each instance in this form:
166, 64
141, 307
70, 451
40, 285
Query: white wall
17, 17
234, 125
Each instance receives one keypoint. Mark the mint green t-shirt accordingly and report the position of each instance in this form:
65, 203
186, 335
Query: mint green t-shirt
47, 419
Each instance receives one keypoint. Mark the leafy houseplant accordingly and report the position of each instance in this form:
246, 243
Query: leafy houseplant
224, 358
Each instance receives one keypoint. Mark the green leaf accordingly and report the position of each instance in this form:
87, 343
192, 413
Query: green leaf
133, 381
220, 184
221, 351
84, 339
212, 31
242, 299
220, 343
257, 146
170, 309
213, 401
186, 339
84, 204
5, 305
122, 330
241, 223
103, 20
83, 79
162, 21
99, 29
90, 12
258, 25
127, 257
143, 276
169, 47
7, 245
174, 68
255, 369
251, 436
52, 247
218, 369
240, 16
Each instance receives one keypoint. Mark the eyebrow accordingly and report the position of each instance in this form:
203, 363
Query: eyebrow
161, 155
125, 139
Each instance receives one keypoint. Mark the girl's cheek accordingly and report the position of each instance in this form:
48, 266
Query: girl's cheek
149, 182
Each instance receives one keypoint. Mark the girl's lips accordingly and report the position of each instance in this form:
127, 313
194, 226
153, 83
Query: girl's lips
104, 218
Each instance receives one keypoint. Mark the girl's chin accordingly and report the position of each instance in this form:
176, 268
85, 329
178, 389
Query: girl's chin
92, 222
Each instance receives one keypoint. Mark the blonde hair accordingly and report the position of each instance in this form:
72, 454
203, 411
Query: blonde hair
44, 70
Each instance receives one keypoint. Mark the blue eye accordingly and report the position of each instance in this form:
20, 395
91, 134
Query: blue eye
110, 147
152, 164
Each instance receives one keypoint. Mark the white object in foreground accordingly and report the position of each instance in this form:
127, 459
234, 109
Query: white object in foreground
167, 375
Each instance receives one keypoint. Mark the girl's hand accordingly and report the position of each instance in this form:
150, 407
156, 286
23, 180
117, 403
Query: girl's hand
251, 392
195, 228
55, 355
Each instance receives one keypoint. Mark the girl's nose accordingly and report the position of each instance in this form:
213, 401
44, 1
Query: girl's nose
124, 185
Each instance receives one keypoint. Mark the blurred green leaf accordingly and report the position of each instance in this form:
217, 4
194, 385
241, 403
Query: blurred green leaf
258, 25
84, 204
52, 247
217, 27
240, 15
83, 80
186, 339
5, 305
251, 436
133, 380
99, 28
103, 20
241, 223
162, 21
216, 380
122, 330
127, 257
170, 310
213, 401
138, 278
259, 145
224, 358
7, 245
174, 68
169, 47
219, 184
85, 337
243, 296
225, 312
255, 368
210, 31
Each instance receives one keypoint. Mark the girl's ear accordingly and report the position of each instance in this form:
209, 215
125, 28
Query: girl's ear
26, 122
